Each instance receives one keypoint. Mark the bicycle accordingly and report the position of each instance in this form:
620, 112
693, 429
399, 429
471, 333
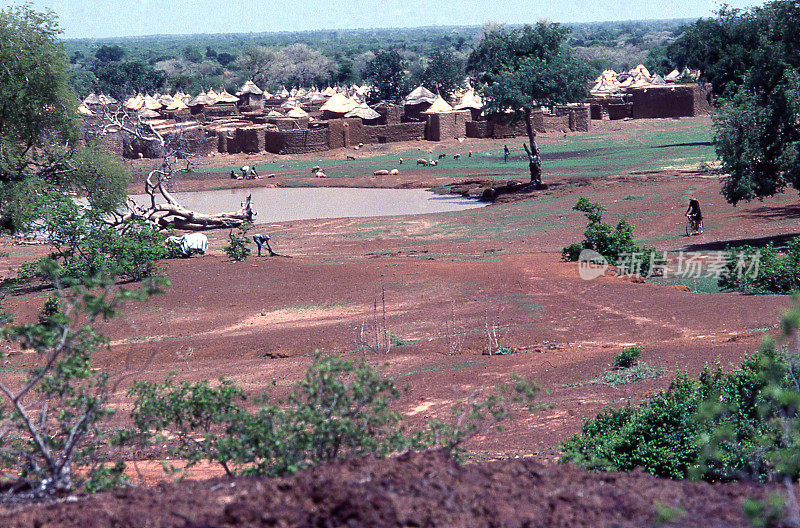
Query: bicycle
693, 226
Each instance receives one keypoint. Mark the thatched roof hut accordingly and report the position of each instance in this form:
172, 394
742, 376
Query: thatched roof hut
420, 95
92, 99
367, 114
297, 112
337, 106
673, 76
134, 103
439, 106
84, 110
225, 98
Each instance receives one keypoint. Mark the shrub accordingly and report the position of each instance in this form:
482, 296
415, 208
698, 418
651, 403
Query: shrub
238, 244
52, 415
341, 408
628, 357
670, 433
762, 270
616, 243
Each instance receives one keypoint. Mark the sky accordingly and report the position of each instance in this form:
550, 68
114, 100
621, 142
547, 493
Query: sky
115, 18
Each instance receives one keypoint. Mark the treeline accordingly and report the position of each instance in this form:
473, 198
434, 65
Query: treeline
196, 62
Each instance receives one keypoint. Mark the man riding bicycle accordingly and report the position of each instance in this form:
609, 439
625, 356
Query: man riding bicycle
693, 212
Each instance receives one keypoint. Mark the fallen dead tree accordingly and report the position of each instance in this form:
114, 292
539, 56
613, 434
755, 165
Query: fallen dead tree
170, 213
163, 210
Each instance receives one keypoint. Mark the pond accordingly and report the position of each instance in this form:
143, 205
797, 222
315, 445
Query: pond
309, 203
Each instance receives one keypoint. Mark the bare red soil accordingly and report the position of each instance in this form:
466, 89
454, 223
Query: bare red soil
423, 489
449, 282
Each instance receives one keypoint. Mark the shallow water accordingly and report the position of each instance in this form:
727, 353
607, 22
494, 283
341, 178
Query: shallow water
308, 203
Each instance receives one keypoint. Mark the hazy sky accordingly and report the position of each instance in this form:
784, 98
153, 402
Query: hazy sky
115, 18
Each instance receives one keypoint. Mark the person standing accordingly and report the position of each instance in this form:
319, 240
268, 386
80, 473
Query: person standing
506, 153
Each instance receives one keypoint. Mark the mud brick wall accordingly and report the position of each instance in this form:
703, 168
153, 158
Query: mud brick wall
582, 119
702, 99
250, 139
289, 123
390, 114
619, 111
344, 133
447, 125
220, 110
503, 127
296, 141
414, 112
479, 129
394, 133
596, 111
555, 123
669, 101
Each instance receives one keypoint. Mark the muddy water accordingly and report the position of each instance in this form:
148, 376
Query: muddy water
308, 203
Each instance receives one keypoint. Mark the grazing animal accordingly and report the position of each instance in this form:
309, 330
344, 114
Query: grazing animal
320, 174
315, 169
442, 156
470, 154
401, 161
360, 145
394, 172
423, 162
189, 244
432, 163
351, 157
271, 176
381, 173
456, 156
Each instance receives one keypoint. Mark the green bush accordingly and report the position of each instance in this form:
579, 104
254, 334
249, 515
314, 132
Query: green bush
238, 244
628, 357
762, 270
670, 433
85, 245
341, 408
616, 244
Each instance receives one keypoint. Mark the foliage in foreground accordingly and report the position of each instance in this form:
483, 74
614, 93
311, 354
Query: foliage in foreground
84, 245
724, 426
616, 244
52, 409
762, 270
341, 408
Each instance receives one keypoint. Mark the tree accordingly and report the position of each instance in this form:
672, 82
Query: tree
386, 71
125, 77
39, 147
106, 53
444, 73
755, 68
517, 71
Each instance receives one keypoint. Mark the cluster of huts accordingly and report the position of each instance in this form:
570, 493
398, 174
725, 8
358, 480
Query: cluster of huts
306, 120
637, 94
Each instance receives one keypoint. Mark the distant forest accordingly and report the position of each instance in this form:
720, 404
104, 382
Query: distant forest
193, 63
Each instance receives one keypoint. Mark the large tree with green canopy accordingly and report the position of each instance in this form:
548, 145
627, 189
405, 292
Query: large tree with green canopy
40, 133
519, 70
753, 63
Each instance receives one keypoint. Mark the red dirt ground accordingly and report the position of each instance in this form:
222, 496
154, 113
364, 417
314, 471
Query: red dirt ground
446, 279
424, 489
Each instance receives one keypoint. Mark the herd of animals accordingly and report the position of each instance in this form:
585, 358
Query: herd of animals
318, 172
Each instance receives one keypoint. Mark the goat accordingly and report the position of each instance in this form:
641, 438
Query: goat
381, 173
315, 169
423, 162
457, 156
320, 174
394, 172
351, 157
442, 156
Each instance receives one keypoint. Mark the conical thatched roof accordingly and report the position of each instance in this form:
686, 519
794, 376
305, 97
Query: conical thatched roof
470, 100
201, 99
419, 95
92, 99
673, 76
339, 104
296, 112
657, 79
135, 103
604, 86
274, 113
151, 103
439, 106
284, 93
289, 103
250, 88
165, 100
84, 110
106, 99
328, 92
225, 97
317, 98
364, 112
212, 94
640, 69
177, 104
147, 113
